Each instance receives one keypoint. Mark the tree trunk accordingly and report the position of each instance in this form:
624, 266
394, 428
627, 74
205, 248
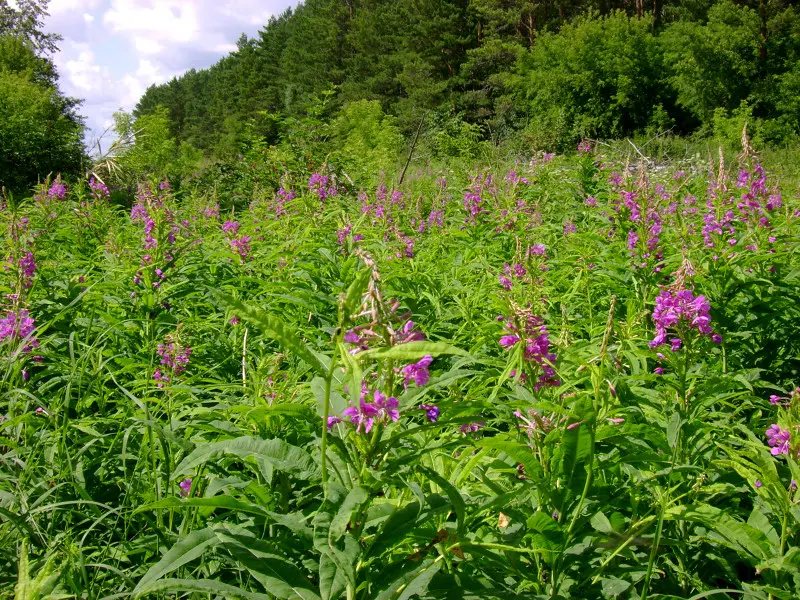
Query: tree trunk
531, 29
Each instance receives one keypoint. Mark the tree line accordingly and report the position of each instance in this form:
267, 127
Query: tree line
41, 130
546, 71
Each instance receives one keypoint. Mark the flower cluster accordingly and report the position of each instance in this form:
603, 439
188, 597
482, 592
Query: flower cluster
509, 273
363, 336
99, 189
417, 372
474, 197
322, 186
57, 191
19, 326
535, 422
531, 332
681, 311
27, 268
779, 439
174, 357
241, 246
367, 414
780, 436
230, 228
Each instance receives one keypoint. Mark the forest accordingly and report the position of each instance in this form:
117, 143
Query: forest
549, 72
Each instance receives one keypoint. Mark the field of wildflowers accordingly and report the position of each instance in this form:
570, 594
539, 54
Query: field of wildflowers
574, 378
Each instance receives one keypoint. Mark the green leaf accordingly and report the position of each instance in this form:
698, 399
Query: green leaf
601, 523
411, 351
577, 446
202, 586
276, 453
278, 576
612, 588
414, 582
452, 493
183, 552
737, 535
214, 502
274, 328
352, 299
673, 429
354, 500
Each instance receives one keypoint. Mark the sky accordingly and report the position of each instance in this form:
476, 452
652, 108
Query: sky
114, 49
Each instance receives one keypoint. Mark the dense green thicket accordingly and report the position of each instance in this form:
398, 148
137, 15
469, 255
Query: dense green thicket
555, 71
580, 379
40, 129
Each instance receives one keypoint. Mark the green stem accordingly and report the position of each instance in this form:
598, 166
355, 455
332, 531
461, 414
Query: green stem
653, 551
326, 412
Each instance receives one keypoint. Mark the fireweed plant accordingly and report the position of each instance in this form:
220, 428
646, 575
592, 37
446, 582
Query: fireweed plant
558, 377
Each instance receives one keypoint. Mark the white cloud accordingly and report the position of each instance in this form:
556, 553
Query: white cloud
158, 21
57, 7
113, 50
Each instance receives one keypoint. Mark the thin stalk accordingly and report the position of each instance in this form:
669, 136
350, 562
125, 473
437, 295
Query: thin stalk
654, 551
325, 413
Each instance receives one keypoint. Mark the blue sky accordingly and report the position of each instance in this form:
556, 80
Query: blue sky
114, 49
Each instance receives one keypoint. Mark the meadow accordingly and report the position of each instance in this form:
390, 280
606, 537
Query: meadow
568, 376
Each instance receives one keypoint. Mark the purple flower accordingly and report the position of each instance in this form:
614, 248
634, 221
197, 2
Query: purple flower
230, 227
99, 189
758, 483
333, 421
387, 407
418, 372
431, 412
778, 439
186, 487
18, 326
507, 341
241, 246
472, 427
174, 357
367, 414
27, 266
680, 309
537, 250
658, 371
319, 184
58, 190
362, 415
536, 340
341, 234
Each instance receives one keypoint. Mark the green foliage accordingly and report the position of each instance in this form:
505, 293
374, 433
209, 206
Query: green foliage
713, 65
154, 153
604, 468
39, 135
597, 77
451, 136
367, 142
728, 129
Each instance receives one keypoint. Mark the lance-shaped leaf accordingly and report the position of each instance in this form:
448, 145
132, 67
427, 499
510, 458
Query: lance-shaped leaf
270, 325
